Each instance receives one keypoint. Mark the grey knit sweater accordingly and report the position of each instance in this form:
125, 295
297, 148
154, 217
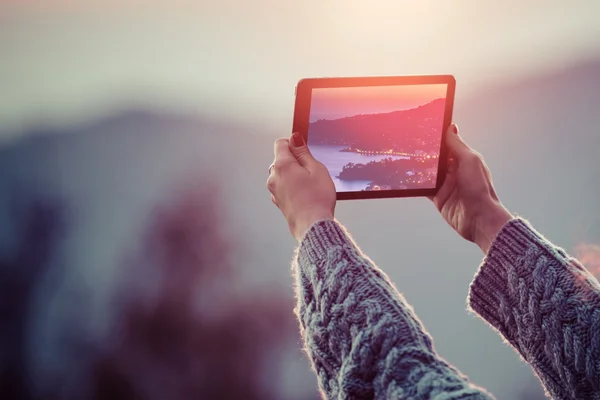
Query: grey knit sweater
364, 340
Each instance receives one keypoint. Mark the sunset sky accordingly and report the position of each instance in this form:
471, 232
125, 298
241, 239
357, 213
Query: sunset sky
332, 103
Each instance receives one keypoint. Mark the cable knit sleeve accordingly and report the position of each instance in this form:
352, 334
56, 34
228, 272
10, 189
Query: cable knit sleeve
546, 305
363, 339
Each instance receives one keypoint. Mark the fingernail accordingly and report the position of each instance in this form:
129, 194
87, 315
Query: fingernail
455, 129
298, 139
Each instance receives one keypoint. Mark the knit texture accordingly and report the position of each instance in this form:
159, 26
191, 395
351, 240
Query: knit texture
363, 339
546, 305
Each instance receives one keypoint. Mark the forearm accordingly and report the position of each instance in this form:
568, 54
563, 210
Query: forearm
361, 336
546, 305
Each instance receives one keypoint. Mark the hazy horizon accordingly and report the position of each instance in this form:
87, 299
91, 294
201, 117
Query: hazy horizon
65, 62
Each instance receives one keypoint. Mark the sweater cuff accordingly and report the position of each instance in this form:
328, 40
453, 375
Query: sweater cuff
492, 282
320, 238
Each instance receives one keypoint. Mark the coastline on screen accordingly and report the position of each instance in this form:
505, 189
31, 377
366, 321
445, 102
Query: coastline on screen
378, 137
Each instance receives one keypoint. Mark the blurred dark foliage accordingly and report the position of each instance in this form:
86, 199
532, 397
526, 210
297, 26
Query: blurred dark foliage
182, 327
21, 271
183, 331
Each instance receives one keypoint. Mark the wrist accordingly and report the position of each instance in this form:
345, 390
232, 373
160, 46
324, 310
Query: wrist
304, 224
489, 225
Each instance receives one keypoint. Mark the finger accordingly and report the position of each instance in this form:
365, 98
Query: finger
282, 150
271, 184
457, 146
452, 164
450, 168
300, 150
445, 190
283, 155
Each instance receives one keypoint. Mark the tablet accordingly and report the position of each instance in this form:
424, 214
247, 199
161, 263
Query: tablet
378, 136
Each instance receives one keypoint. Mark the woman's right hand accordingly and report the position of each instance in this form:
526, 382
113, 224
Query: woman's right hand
467, 199
300, 186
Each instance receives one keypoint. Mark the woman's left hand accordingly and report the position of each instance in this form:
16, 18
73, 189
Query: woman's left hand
300, 185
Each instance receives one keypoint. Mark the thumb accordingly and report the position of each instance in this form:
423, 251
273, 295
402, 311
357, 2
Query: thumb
300, 150
457, 146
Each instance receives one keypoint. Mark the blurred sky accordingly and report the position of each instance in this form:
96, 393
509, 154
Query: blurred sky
68, 60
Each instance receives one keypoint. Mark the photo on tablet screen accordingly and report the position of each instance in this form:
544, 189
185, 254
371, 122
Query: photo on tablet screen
378, 137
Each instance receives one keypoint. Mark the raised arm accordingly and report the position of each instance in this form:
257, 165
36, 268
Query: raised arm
544, 303
361, 336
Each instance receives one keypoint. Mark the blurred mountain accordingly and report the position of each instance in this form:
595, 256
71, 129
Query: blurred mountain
542, 135
111, 175
539, 136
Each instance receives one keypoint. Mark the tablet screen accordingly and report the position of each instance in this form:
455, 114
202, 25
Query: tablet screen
378, 137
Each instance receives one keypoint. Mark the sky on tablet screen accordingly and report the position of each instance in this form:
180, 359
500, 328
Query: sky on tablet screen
332, 103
